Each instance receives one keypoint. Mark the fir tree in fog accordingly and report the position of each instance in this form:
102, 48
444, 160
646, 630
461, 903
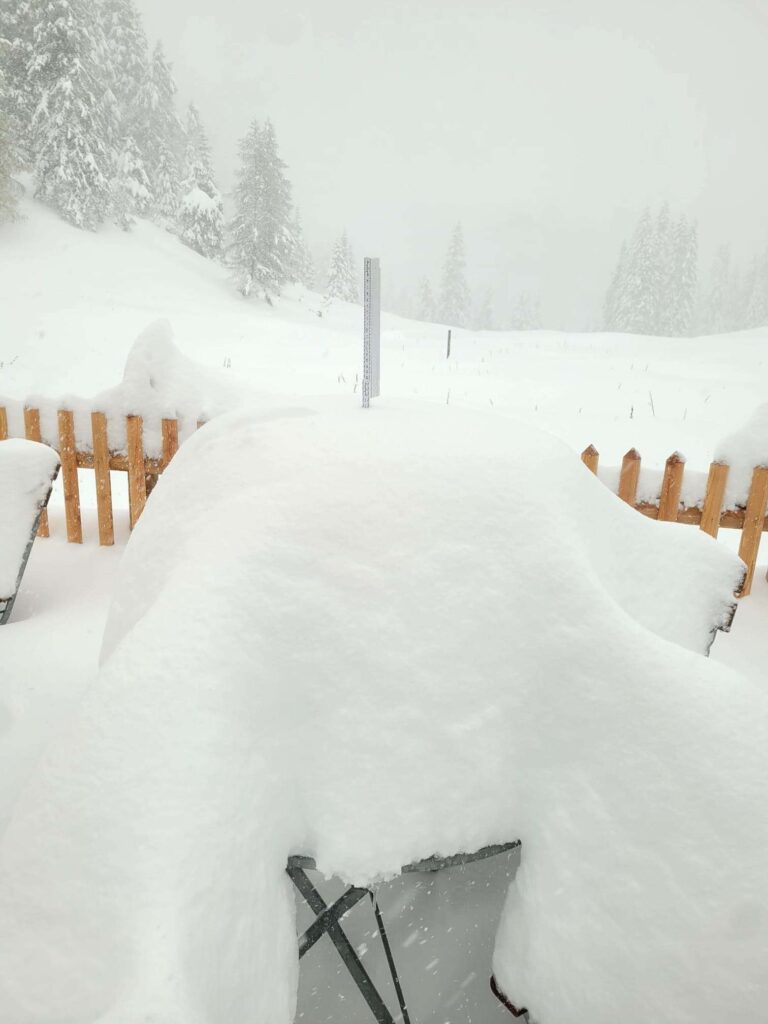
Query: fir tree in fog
158, 133
201, 212
127, 56
526, 316
682, 292
303, 267
9, 189
484, 313
653, 287
131, 190
16, 98
342, 274
73, 127
425, 309
454, 304
718, 297
757, 304
261, 248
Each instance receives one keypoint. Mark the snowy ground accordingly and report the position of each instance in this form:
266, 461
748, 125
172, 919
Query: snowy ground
71, 303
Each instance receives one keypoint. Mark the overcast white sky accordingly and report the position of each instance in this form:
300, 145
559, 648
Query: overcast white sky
543, 125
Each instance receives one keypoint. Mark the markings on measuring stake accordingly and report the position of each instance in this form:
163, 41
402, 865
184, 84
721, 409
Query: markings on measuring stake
371, 329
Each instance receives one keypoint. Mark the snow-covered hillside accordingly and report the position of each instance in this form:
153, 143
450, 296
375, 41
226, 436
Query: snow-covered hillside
71, 303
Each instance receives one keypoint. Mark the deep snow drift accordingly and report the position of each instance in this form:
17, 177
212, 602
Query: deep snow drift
327, 638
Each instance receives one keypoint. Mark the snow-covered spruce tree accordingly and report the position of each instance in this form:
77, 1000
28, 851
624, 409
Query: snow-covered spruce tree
681, 288
639, 310
757, 304
425, 309
715, 318
158, 135
526, 316
615, 296
664, 316
17, 99
73, 128
303, 267
9, 190
201, 212
454, 304
131, 194
342, 277
484, 314
261, 246
127, 55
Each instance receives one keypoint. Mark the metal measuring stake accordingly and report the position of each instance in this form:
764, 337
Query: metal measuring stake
371, 329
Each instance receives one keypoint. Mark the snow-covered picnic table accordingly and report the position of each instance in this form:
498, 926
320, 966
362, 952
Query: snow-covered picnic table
371, 637
27, 472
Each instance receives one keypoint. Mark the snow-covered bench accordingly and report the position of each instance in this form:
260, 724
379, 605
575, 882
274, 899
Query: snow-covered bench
27, 472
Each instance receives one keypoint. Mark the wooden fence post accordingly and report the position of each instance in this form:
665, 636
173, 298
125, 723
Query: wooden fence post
103, 479
170, 440
68, 456
32, 433
590, 457
671, 485
713, 500
137, 484
754, 519
629, 476
3, 424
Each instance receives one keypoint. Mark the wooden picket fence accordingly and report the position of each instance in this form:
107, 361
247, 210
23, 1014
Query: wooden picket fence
710, 516
142, 471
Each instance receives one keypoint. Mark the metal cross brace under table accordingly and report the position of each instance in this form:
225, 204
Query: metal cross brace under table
328, 921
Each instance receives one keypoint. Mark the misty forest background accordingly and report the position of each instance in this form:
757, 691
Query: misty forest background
88, 119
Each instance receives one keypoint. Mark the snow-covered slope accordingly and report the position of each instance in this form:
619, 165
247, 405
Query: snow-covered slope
71, 304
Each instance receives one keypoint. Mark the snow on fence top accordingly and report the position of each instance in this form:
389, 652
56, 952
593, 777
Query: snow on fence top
744, 449
159, 382
412, 632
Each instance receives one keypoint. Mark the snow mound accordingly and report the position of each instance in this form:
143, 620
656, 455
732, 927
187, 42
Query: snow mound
26, 472
743, 450
371, 637
159, 381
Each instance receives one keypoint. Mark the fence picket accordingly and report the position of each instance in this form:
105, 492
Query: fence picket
713, 500
137, 483
671, 485
32, 433
754, 520
629, 476
170, 440
103, 479
591, 457
68, 456
3, 424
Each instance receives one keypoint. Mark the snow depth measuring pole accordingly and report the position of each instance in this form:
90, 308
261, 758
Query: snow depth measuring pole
371, 329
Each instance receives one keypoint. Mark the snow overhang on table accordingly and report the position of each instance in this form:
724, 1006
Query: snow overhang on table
372, 637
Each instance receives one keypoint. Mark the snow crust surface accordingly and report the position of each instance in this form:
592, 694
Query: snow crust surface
327, 639
26, 472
